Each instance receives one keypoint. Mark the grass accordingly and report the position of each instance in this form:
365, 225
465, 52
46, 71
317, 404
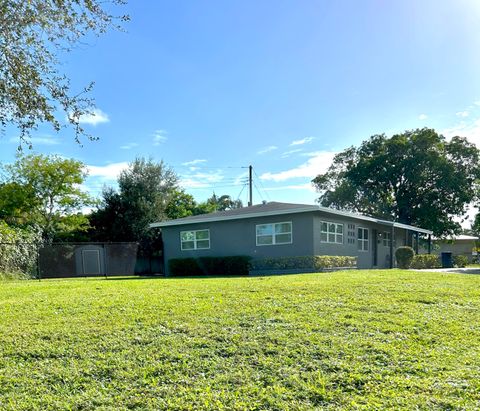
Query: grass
347, 340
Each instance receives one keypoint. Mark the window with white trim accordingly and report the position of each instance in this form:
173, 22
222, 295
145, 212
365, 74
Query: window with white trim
362, 239
273, 234
387, 238
331, 233
195, 240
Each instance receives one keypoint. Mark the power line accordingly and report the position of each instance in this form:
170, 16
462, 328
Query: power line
261, 184
258, 191
241, 191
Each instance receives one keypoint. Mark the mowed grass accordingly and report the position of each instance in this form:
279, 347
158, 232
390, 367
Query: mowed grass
346, 340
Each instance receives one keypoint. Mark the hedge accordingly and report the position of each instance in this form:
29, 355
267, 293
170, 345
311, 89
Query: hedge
229, 265
422, 261
460, 261
316, 262
404, 256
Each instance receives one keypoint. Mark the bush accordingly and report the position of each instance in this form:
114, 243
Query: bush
230, 265
317, 262
460, 261
18, 252
422, 261
404, 256
14, 275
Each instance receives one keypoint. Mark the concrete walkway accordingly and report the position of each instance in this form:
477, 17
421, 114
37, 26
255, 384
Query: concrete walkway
473, 270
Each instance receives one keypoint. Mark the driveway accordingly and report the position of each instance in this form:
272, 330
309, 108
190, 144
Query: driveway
467, 270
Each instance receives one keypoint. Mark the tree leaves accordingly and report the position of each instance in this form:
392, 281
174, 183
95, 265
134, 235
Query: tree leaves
417, 177
32, 35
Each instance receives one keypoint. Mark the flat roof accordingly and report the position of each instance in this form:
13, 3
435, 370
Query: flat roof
461, 237
276, 208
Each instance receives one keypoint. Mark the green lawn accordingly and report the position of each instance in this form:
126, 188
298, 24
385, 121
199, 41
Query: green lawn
347, 340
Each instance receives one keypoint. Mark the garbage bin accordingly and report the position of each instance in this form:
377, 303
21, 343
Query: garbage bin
447, 260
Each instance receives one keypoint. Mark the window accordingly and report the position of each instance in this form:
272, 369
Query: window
362, 238
272, 234
331, 233
195, 240
351, 238
387, 238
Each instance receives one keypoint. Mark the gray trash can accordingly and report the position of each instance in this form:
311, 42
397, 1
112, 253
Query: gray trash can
447, 260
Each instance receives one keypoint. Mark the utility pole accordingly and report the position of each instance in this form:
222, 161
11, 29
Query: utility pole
250, 191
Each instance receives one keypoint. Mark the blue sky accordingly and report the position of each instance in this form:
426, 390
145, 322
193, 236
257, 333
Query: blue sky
213, 86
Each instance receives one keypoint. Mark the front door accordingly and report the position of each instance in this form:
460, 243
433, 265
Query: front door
375, 247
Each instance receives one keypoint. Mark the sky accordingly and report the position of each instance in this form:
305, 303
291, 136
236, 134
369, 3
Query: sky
211, 87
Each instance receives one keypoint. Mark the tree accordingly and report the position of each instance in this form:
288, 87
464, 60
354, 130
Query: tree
180, 205
475, 229
32, 35
417, 177
224, 202
45, 191
145, 190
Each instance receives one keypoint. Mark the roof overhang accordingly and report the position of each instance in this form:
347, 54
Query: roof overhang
233, 217
308, 209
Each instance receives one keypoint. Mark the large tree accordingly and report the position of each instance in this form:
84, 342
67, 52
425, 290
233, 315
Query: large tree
145, 190
417, 177
33, 34
44, 191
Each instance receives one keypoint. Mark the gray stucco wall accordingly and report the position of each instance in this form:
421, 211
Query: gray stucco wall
457, 247
238, 237
364, 258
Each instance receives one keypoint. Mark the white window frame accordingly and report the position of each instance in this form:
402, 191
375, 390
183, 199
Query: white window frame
363, 241
387, 238
195, 240
273, 235
328, 233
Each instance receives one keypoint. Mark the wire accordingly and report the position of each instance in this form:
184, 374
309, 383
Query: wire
261, 184
241, 191
258, 191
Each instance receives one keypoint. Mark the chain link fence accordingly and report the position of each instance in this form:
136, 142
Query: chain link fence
63, 260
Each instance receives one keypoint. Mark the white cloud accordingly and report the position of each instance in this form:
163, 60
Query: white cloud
318, 163
422, 117
129, 146
288, 153
470, 130
201, 180
159, 137
477, 103
97, 116
306, 186
462, 114
302, 141
107, 173
267, 149
45, 140
194, 162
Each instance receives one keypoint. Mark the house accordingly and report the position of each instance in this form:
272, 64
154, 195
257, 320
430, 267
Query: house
275, 229
457, 245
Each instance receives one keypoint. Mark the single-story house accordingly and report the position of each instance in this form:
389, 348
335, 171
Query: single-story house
275, 229
458, 245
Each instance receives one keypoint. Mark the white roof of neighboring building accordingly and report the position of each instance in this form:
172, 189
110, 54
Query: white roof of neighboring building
461, 237
274, 208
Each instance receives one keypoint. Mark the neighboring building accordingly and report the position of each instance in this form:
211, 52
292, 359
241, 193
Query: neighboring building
458, 245
287, 230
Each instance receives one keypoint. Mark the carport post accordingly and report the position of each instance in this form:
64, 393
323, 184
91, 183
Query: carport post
429, 244
416, 242
392, 237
